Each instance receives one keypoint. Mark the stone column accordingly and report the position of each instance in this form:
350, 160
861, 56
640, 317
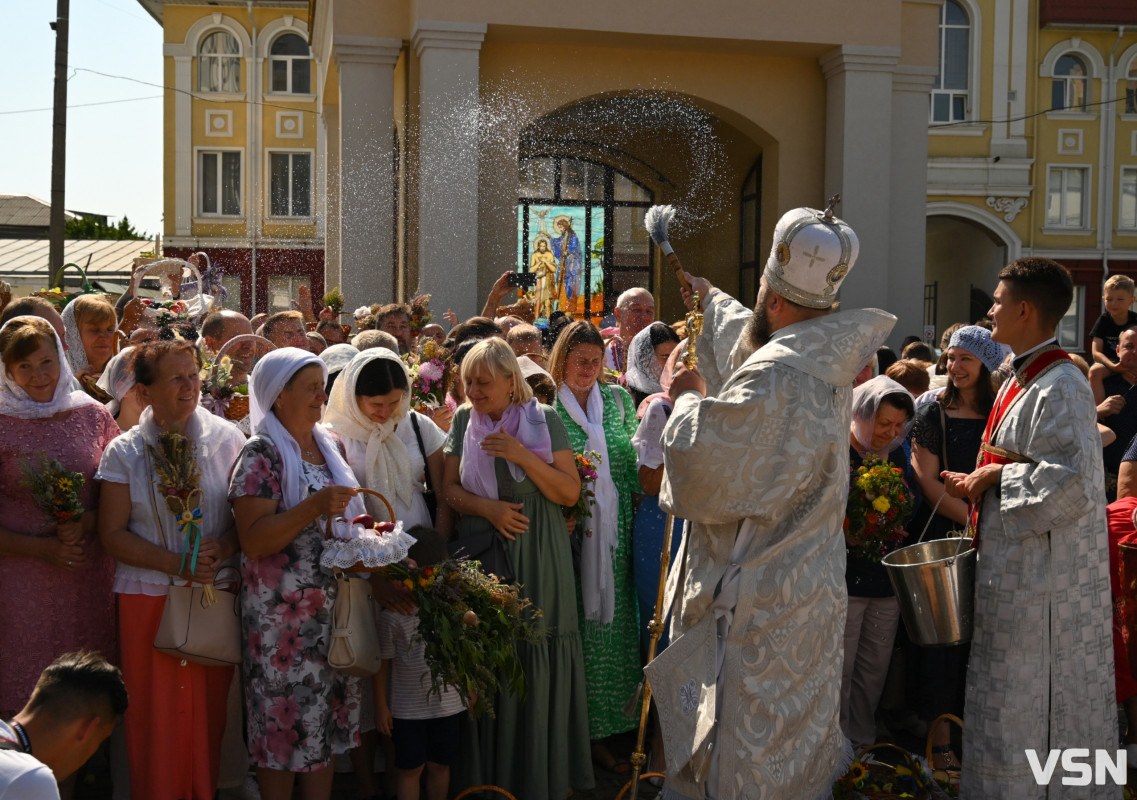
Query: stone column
909, 179
330, 151
366, 181
448, 163
183, 148
858, 161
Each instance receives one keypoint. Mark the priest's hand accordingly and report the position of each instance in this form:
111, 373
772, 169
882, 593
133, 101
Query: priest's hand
687, 379
971, 486
697, 284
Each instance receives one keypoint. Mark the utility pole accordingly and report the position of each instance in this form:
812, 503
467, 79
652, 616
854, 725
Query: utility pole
58, 142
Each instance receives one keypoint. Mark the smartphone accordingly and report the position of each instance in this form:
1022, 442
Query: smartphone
522, 280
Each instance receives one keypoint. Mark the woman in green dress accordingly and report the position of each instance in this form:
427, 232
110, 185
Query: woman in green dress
509, 467
601, 418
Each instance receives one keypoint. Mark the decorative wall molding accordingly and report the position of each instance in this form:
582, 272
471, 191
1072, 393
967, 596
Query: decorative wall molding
218, 123
1009, 207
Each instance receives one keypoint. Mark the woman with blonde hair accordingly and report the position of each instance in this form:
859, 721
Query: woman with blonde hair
601, 418
89, 322
509, 468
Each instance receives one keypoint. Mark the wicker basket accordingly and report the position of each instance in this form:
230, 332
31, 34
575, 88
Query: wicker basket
60, 299
359, 566
238, 406
884, 781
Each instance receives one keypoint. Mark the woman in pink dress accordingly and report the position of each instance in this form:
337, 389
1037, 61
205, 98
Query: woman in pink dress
55, 580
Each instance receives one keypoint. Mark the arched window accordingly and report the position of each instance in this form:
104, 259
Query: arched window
219, 63
580, 232
290, 65
750, 219
950, 91
1070, 87
1131, 88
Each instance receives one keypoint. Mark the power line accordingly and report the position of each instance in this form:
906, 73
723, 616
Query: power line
1024, 116
195, 95
84, 105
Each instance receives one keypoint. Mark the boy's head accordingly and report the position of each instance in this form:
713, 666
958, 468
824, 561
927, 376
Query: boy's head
429, 547
1118, 297
525, 340
78, 700
1032, 297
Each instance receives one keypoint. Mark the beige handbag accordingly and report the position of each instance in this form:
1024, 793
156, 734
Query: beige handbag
354, 649
194, 631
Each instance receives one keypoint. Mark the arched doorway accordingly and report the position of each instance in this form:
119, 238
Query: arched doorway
964, 254
587, 173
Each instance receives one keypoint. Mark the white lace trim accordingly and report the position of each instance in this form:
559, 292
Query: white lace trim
352, 544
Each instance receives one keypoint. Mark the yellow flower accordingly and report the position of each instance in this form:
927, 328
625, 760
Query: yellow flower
65, 484
409, 583
881, 504
857, 772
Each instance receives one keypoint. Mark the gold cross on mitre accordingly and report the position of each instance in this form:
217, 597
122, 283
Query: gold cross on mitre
827, 215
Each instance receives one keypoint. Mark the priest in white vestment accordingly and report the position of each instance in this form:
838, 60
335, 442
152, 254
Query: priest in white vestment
1041, 670
749, 689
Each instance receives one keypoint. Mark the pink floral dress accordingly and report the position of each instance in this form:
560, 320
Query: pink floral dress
300, 711
48, 611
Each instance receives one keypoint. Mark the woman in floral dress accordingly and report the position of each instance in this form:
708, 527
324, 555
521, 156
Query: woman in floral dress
602, 418
290, 476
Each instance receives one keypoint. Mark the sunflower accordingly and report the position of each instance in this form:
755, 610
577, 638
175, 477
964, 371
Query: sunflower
857, 773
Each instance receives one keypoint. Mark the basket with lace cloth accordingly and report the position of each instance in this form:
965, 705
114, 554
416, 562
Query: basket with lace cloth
171, 270
351, 547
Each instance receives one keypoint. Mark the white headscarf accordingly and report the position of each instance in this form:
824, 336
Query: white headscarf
866, 403
269, 377
387, 460
118, 378
76, 354
15, 402
643, 367
597, 583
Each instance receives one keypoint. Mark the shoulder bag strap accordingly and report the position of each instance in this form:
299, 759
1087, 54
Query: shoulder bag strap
421, 449
943, 437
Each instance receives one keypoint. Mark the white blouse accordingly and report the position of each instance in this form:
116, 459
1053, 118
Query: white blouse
432, 440
127, 461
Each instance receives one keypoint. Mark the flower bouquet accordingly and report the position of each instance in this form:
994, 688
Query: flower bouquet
878, 505
219, 390
420, 313
54, 490
586, 467
178, 483
474, 622
869, 778
428, 376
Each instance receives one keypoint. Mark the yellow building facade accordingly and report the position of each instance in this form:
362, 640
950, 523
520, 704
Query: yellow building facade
243, 138
451, 140
1032, 150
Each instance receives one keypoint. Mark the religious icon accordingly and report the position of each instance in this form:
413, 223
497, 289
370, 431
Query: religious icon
570, 260
543, 264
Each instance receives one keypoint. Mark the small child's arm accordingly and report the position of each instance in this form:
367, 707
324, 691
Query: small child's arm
383, 720
1097, 348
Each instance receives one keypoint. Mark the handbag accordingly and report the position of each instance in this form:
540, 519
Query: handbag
354, 648
488, 546
193, 630
428, 495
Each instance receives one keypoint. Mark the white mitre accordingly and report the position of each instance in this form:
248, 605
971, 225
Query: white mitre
813, 252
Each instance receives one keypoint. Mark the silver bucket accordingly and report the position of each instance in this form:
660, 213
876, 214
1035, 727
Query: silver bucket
935, 586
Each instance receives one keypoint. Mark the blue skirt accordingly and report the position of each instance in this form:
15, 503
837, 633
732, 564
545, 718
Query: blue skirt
647, 548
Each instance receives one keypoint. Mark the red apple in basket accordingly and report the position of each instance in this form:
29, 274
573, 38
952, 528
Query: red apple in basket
366, 520
384, 527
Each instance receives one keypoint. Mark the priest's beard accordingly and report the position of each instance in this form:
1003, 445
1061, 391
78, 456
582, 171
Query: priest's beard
758, 328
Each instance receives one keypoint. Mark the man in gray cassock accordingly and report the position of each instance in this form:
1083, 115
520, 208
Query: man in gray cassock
1040, 676
749, 689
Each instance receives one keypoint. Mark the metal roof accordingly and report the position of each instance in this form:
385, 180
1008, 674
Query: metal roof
25, 210
23, 257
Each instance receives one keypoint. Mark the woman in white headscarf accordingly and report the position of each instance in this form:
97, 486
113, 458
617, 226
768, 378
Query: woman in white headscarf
647, 354
290, 476
89, 322
55, 580
883, 412
391, 448
117, 380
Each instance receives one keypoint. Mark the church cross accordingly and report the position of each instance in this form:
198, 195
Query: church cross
814, 256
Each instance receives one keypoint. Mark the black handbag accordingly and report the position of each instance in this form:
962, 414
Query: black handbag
489, 546
428, 495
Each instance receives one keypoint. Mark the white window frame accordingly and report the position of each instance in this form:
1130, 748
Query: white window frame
1077, 311
311, 183
1131, 173
197, 186
1068, 83
1087, 198
290, 59
970, 92
1095, 67
238, 56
